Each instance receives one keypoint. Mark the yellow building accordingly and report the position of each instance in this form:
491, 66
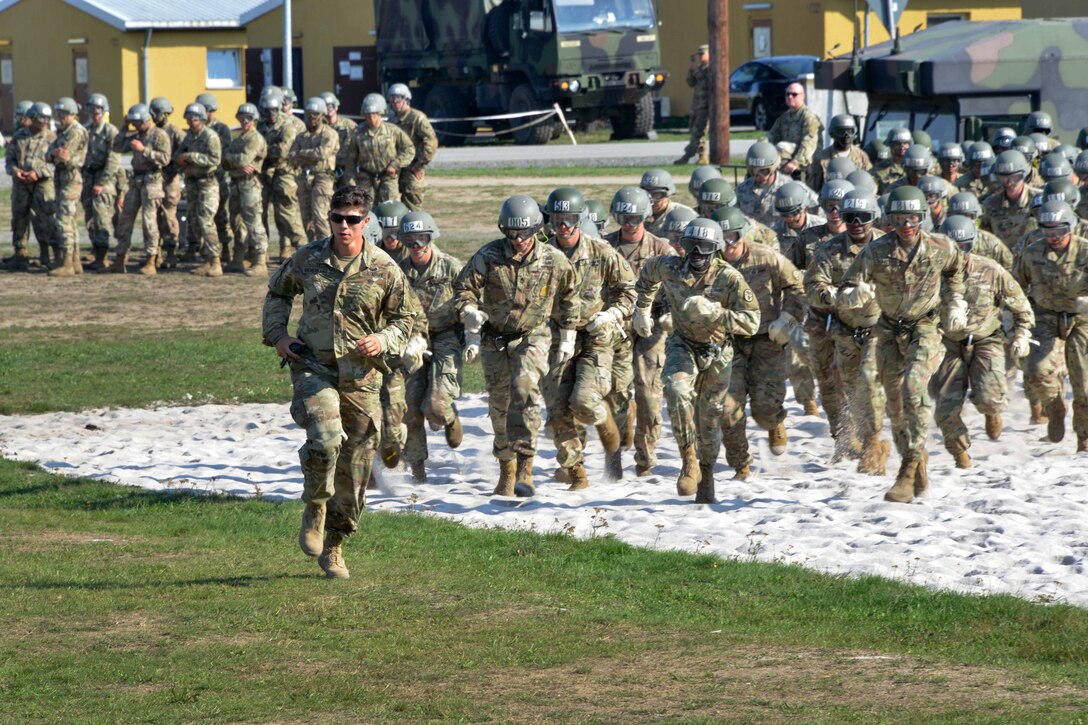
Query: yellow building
129, 50
793, 27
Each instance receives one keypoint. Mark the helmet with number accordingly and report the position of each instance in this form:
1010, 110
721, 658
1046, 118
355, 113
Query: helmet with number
1026, 146
835, 190
790, 198
907, 199
962, 231
841, 124
839, 168
209, 101
330, 99
951, 152
161, 105
1068, 152
519, 212
22, 108
1080, 166
1043, 143
981, 152
861, 201
917, 159
862, 179
1062, 190
247, 110
676, 221
717, 192
419, 222
139, 113
1036, 204
66, 105
597, 213
631, 200
1010, 162
97, 100
702, 234
272, 92
877, 150
401, 90
1038, 122
658, 180
317, 105
930, 185
923, 138
731, 219
374, 103
40, 110
195, 110
565, 200
898, 135
700, 176
1055, 166
964, 203
390, 213
289, 95
1057, 212
762, 155
1003, 138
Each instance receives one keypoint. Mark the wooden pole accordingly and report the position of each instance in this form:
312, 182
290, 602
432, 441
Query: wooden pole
718, 25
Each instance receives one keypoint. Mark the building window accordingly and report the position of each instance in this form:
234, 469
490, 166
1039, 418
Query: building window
224, 68
938, 18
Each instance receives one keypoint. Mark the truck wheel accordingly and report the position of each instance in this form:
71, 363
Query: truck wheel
445, 102
761, 117
635, 121
522, 100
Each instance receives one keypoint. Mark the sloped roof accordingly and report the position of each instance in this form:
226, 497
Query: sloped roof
175, 14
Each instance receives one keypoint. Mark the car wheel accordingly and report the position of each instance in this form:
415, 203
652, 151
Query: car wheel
761, 116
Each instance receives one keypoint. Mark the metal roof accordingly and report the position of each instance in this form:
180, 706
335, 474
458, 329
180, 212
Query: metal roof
175, 14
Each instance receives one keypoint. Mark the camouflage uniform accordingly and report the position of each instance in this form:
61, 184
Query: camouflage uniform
1053, 282
656, 223
415, 125
575, 391
32, 203
979, 186
313, 153
431, 391
760, 364
975, 357
518, 297
699, 356
169, 228
373, 152
817, 170
145, 192
801, 127
639, 359
249, 149
203, 154
886, 173
345, 131
910, 287
68, 186
698, 79
990, 246
1008, 220
757, 202
278, 182
222, 214
336, 391
100, 168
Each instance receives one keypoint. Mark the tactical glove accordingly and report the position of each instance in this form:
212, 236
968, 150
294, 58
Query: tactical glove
412, 357
779, 330
472, 346
603, 321
643, 323
854, 297
472, 318
701, 308
957, 316
1021, 344
565, 350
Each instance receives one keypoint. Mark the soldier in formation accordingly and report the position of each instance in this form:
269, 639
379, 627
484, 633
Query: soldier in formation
412, 179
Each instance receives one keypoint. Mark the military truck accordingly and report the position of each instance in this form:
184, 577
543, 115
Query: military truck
960, 80
467, 58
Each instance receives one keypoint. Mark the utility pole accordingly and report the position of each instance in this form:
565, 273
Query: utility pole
718, 24
288, 81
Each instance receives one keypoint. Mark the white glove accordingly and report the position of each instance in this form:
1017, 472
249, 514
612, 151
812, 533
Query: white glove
832, 295
664, 323
472, 346
701, 308
779, 330
472, 318
601, 322
957, 316
799, 340
412, 357
1021, 344
565, 351
854, 297
1082, 305
643, 323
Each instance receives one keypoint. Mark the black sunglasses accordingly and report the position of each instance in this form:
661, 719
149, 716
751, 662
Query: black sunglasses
352, 220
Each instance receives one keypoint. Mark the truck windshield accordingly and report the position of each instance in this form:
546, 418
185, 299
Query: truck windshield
579, 16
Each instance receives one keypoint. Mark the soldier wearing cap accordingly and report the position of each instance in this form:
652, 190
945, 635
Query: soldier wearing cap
412, 180
698, 79
800, 128
313, 153
67, 154
243, 159
844, 131
100, 171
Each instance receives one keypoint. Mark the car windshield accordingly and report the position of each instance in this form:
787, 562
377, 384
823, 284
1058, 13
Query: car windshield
578, 16
792, 67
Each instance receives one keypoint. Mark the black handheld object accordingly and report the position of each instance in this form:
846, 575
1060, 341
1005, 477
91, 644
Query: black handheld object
296, 347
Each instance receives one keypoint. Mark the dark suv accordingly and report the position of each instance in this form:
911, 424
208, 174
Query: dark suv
758, 87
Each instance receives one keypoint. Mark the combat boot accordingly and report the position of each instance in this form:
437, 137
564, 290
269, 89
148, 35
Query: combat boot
811, 408
578, 478
688, 481
608, 432
994, 425
523, 479
1037, 416
63, 267
742, 473
681, 161
562, 475
419, 472
703, 159
311, 536
455, 432
259, 268
99, 259
1055, 424
507, 473
874, 457
19, 263
921, 474
118, 266
903, 489
237, 263
171, 261
963, 459
77, 261
613, 466
705, 492
210, 268
391, 455
149, 266
641, 470
332, 558
777, 438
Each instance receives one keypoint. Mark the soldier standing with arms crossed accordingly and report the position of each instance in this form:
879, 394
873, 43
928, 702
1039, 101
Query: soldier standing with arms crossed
243, 159
33, 200
198, 157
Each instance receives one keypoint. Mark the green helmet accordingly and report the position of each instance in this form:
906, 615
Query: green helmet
419, 222
289, 95
139, 113
761, 155
160, 106
877, 150
247, 110
907, 199
97, 100
518, 212
731, 219
862, 179
1026, 146
922, 138
1068, 151
960, 230
1043, 143
330, 100
399, 89
195, 110
272, 92
717, 192
951, 152
374, 103
917, 159
862, 202
964, 203
981, 152
1082, 138
1010, 162
631, 200
1057, 212
703, 236
22, 108
209, 101
700, 176
390, 213
676, 221
597, 213
898, 135
1055, 166
1061, 190
271, 102
842, 123
40, 110
835, 190
1036, 204
839, 168
1038, 122
1003, 138
565, 200
790, 198
317, 105
658, 180
933, 185
1081, 164
67, 105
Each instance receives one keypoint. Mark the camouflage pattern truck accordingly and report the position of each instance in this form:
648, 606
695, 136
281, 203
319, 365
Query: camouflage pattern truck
595, 58
960, 80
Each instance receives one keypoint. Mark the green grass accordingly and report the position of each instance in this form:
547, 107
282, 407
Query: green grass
122, 604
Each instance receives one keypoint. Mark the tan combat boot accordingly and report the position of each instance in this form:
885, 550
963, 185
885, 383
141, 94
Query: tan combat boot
332, 558
963, 459
419, 472
237, 263
921, 474
562, 475
578, 478
119, 265
608, 432
455, 432
874, 457
903, 489
507, 473
523, 478
705, 492
77, 261
259, 268
1055, 424
688, 481
150, 266
811, 408
994, 425
64, 265
703, 159
777, 438
1037, 416
311, 536
742, 473
215, 268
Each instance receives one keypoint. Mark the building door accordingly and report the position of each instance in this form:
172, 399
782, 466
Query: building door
264, 66
761, 39
355, 69
7, 94
80, 76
